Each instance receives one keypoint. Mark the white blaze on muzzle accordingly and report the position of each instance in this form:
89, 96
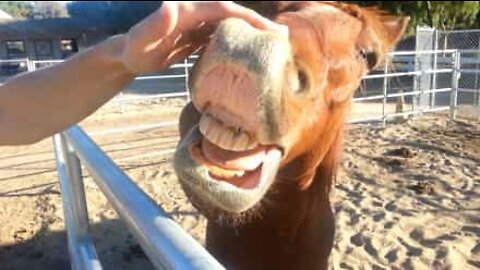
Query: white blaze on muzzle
241, 70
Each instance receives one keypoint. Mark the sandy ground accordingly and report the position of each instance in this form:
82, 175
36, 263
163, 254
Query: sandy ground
407, 196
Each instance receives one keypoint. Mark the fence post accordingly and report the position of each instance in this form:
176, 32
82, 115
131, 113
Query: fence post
385, 92
455, 77
30, 65
425, 39
186, 62
81, 249
122, 105
434, 75
416, 87
477, 67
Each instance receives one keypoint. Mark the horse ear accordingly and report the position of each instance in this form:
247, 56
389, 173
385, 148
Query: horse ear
378, 26
394, 28
380, 34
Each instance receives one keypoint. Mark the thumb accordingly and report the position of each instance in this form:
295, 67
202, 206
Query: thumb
158, 25
168, 18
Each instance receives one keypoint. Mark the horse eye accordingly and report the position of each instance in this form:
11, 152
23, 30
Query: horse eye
303, 80
299, 78
370, 57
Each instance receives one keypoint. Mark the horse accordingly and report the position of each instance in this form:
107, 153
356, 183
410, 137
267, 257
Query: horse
262, 135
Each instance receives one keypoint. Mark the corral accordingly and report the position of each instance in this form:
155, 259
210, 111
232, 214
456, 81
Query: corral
407, 194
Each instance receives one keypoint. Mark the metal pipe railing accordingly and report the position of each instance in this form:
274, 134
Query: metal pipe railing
385, 91
159, 77
448, 51
411, 73
80, 246
454, 93
391, 115
411, 93
136, 128
467, 90
169, 94
165, 243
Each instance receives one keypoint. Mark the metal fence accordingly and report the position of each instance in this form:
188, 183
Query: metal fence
165, 243
467, 43
14, 66
430, 79
407, 85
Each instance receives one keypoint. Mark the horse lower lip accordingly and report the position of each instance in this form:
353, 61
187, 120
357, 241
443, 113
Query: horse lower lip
247, 181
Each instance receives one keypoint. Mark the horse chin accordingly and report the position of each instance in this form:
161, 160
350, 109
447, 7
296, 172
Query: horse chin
234, 195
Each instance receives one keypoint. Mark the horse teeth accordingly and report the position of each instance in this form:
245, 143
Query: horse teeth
226, 139
241, 142
239, 173
215, 134
205, 123
229, 138
252, 143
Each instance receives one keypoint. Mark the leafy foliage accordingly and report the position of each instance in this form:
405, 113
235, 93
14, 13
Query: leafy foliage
48, 9
445, 15
17, 9
33, 9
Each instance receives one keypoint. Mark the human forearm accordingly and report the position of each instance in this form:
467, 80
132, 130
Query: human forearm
62, 94
38, 104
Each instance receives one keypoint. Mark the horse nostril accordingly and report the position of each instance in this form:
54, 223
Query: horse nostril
237, 131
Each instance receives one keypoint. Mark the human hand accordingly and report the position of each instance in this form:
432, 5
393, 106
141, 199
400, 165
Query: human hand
179, 28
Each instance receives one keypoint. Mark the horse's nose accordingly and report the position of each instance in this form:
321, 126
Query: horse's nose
262, 52
239, 76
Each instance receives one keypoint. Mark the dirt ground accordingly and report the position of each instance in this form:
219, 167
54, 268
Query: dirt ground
407, 196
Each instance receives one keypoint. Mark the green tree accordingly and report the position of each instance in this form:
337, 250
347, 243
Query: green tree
17, 9
445, 15
49, 9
